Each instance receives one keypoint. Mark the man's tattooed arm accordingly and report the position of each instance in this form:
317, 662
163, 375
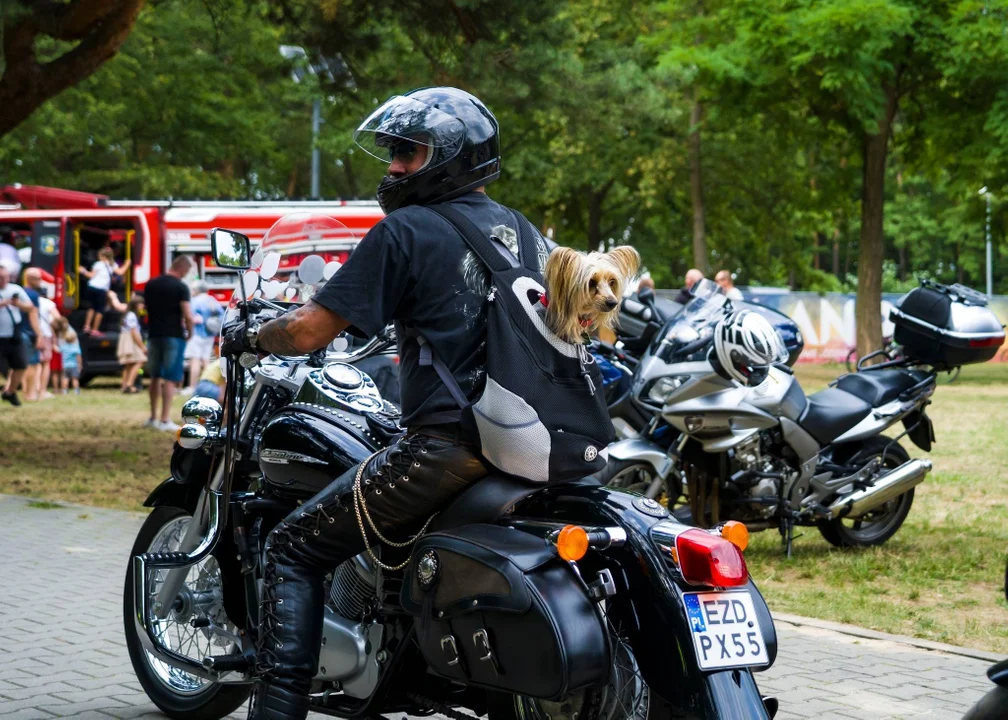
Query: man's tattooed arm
308, 328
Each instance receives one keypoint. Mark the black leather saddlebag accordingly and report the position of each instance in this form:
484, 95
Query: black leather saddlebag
497, 607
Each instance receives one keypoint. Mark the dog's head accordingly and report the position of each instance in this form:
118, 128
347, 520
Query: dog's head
584, 291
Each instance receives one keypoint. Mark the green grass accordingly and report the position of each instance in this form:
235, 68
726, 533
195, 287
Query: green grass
939, 578
89, 448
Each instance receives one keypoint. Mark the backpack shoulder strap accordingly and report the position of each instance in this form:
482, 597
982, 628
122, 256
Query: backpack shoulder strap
529, 248
478, 242
428, 358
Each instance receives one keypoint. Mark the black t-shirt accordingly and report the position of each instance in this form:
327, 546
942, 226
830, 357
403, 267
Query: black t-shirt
414, 268
163, 297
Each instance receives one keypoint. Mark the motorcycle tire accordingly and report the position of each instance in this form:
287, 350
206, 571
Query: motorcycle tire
212, 702
992, 706
840, 535
594, 703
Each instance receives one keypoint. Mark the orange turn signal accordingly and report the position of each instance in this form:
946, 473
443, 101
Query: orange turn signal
736, 533
572, 543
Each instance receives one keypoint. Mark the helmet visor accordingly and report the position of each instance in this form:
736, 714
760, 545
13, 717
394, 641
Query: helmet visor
401, 124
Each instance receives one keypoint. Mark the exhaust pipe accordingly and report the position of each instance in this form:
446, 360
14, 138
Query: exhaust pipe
892, 484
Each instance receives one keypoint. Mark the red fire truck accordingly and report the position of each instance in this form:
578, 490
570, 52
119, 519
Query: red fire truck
60, 231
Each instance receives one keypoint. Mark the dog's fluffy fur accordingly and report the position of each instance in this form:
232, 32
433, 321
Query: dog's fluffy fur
583, 291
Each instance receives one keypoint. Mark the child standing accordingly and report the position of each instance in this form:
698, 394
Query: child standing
131, 351
99, 283
70, 349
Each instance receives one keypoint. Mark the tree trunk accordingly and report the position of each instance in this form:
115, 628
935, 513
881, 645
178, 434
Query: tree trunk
696, 187
902, 262
98, 27
872, 246
836, 254
595, 200
815, 250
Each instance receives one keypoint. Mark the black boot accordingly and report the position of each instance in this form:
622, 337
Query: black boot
277, 704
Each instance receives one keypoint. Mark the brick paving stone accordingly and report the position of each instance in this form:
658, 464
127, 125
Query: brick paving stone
62, 652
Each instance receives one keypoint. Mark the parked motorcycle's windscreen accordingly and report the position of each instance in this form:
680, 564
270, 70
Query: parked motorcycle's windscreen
684, 338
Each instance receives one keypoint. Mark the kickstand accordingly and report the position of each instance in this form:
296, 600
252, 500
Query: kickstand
787, 534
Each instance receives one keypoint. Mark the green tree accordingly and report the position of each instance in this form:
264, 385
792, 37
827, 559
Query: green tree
50, 45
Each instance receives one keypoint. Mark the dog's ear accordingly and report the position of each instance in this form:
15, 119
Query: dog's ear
560, 272
561, 276
626, 259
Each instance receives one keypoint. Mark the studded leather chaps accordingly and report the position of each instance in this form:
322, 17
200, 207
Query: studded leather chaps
403, 486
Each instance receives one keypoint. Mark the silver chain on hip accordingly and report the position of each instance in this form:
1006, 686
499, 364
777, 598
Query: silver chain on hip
360, 507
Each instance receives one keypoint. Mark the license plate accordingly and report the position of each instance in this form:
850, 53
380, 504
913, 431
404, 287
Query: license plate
725, 629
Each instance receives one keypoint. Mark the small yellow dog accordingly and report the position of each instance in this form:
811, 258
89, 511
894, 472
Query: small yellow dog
583, 291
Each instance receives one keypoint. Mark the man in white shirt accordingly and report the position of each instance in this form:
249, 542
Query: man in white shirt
9, 255
14, 306
724, 279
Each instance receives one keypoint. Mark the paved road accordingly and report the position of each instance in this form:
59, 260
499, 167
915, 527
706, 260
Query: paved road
62, 652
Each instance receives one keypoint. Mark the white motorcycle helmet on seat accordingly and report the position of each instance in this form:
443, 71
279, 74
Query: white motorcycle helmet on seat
746, 346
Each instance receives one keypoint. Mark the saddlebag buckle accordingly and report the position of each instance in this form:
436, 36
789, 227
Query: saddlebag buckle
451, 649
482, 643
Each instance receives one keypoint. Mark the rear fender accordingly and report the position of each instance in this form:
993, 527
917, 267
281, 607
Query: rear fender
641, 450
649, 604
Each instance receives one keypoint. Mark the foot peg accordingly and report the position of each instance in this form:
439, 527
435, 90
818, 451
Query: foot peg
227, 663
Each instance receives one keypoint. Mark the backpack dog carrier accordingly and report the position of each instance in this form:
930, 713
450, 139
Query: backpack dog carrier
542, 415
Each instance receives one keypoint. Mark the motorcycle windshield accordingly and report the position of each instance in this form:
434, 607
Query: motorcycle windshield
296, 257
686, 336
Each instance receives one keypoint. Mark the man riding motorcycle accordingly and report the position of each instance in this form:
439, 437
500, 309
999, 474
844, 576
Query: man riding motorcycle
414, 269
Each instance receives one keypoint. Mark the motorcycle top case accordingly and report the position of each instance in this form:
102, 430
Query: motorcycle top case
946, 325
497, 608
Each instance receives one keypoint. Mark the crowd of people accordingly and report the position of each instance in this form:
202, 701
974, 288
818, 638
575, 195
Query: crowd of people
171, 327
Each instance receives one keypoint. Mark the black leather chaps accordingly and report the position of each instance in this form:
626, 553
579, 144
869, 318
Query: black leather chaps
403, 486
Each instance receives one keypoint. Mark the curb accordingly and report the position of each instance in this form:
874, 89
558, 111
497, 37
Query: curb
861, 632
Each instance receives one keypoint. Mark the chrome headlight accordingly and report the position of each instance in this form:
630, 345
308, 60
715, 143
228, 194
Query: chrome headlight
192, 436
663, 387
203, 411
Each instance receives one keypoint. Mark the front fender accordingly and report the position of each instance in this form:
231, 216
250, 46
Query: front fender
644, 451
189, 471
649, 604
171, 493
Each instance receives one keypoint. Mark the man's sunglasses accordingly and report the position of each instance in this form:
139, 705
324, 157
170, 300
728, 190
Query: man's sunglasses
403, 150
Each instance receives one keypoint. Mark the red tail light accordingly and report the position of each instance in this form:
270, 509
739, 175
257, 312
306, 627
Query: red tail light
995, 341
707, 559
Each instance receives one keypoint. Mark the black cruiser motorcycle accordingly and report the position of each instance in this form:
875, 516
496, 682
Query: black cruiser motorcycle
570, 601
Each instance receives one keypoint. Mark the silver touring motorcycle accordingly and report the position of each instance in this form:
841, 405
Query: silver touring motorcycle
521, 601
766, 454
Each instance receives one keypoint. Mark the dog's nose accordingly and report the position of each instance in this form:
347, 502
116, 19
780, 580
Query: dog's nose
611, 304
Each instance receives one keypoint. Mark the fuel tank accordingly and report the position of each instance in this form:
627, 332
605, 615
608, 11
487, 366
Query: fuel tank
304, 447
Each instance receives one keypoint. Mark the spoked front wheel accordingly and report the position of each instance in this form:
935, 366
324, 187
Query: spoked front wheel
177, 693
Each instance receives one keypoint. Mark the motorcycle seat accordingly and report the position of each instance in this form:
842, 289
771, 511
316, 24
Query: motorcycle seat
485, 501
878, 387
832, 412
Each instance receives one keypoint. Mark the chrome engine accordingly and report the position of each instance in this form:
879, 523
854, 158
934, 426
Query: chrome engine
350, 646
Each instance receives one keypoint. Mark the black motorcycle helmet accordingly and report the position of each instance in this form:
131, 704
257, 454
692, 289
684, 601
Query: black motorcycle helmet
461, 136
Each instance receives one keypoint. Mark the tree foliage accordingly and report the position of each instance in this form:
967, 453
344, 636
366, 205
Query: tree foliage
841, 143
